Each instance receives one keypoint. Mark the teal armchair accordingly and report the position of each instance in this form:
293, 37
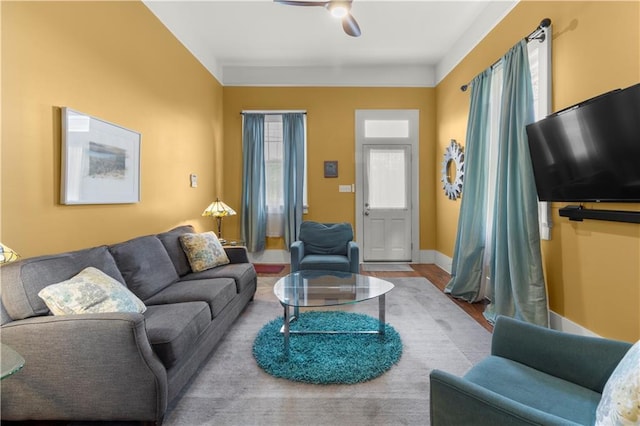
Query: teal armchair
534, 376
325, 246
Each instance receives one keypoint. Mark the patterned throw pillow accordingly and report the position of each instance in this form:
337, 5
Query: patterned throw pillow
204, 251
620, 403
91, 291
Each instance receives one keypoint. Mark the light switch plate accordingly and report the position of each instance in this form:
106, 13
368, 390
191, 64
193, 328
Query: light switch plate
344, 188
194, 180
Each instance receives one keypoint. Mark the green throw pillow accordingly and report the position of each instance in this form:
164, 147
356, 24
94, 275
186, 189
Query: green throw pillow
90, 291
620, 403
204, 251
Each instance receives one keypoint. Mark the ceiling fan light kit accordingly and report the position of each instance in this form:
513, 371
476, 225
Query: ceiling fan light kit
338, 9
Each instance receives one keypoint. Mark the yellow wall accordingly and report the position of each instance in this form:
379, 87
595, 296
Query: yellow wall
115, 61
331, 136
593, 267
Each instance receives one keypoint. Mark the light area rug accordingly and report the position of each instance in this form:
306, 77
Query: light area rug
386, 267
231, 389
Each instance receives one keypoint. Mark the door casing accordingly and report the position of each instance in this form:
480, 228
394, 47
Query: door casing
412, 116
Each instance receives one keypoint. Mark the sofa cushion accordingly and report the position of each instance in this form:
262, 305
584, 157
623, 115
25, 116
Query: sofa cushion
620, 403
171, 242
244, 274
325, 262
536, 389
237, 254
217, 292
145, 265
204, 251
325, 238
174, 329
90, 291
22, 280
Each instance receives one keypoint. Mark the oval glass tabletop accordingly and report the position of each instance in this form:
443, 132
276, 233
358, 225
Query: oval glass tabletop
328, 288
11, 361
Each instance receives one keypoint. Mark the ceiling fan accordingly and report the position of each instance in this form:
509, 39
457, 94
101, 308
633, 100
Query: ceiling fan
339, 9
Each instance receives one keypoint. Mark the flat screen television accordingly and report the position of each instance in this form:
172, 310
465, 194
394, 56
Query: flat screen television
589, 152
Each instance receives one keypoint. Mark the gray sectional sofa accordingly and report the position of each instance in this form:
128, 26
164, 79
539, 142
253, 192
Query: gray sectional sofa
117, 366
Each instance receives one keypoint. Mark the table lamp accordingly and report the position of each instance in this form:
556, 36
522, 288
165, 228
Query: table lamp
218, 209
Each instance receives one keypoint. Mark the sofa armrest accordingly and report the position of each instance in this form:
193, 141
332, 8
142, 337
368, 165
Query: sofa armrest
353, 254
586, 361
455, 401
297, 253
89, 367
237, 254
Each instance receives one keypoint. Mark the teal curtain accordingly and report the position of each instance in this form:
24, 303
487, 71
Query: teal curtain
293, 141
467, 266
254, 205
517, 287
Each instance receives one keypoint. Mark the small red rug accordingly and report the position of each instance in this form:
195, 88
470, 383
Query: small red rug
268, 268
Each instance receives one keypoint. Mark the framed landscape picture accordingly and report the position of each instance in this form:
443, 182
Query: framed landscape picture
100, 161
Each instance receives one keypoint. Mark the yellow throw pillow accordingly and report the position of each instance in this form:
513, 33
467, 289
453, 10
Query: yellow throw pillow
90, 291
204, 251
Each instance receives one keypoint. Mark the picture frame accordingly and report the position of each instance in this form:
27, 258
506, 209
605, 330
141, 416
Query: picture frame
100, 161
331, 169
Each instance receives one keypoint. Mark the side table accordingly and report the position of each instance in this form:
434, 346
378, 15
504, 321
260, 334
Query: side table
233, 242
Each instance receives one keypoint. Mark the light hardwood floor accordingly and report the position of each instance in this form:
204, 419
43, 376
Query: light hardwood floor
431, 272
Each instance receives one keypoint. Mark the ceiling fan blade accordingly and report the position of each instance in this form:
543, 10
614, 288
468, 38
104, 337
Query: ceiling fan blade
350, 26
302, 3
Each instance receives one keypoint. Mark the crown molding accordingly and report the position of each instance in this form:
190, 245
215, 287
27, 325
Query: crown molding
352, 76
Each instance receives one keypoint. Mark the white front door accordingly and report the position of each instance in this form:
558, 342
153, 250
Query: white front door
387, 203
386, 185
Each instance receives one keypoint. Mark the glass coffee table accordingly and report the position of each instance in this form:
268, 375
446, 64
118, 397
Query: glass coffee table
306, 289
10, 360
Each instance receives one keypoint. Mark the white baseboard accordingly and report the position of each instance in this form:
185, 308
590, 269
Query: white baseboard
560, 323
556, 322
270, 256
427, 256
443, 261
283, 256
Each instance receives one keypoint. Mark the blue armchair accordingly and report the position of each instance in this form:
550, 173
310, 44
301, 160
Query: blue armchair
534, 376
325, 246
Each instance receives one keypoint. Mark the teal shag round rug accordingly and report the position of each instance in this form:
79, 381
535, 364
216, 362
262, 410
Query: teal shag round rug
328, 358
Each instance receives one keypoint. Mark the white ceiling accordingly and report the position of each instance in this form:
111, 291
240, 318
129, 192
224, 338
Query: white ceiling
259, 42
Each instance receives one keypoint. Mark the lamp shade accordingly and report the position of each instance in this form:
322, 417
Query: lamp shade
218, 209
7, 255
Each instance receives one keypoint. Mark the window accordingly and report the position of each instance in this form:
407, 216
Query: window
386, 128
540, 68
274, 175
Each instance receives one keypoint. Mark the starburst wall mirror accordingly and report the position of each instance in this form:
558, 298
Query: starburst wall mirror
453, 170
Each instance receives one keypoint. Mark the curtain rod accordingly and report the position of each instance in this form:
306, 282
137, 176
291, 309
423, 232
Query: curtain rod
273, 111
537, 34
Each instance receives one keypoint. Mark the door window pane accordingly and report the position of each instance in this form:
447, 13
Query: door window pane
386, 128
387, 179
